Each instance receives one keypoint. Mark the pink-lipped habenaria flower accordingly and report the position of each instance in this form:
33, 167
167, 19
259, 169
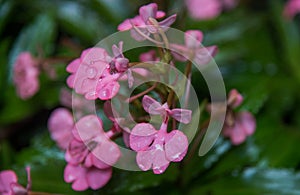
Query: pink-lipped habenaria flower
291, 9
25, 75
238, 125
90, 155
92, 145
9, 183
83, 177
208, 9
157, 148
95, 74
141, 26
193, 49
60, 125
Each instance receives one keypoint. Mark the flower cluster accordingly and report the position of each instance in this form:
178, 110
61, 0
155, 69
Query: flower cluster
90, 149
95, 74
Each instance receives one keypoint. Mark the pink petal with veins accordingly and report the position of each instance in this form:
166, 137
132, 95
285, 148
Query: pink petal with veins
182, 115
151, 106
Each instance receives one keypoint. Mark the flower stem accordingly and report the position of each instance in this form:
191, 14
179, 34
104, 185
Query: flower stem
142, 93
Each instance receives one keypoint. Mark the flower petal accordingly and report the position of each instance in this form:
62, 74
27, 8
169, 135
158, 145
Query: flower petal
205, 54
193, 38
141, 136
77, 175
6, 178
176, 145
166, 23
98, 178
73, 66
151, 106
182, 115
106, 151
89, 127
148, 11
247, 122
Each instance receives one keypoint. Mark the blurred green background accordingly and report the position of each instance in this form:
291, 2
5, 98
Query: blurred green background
259, 54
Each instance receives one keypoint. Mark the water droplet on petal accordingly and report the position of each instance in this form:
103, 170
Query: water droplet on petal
104, 94
91, 73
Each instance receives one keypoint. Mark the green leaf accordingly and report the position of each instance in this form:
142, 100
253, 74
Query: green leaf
254, 181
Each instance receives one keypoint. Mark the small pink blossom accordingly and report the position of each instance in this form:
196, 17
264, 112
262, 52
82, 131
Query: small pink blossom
291, 9
193, 49
208, 9
92, 146
96, 74
60, 125
157, 148
235, 99
83, 178
203, 9
244, 125
143, 23
237, 125
9, 183
25, 75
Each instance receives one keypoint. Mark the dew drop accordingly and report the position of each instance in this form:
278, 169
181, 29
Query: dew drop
103, 94
91, 73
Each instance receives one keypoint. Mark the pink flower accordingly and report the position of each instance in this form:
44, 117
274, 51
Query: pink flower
60, 125
84, 178
9, 183
157, 148
92, 146
25, 75
149, 56
203, 9
238, 125
244, 125
193, 49
208, 9
96, 74
143, 23
235, 99
291, 9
